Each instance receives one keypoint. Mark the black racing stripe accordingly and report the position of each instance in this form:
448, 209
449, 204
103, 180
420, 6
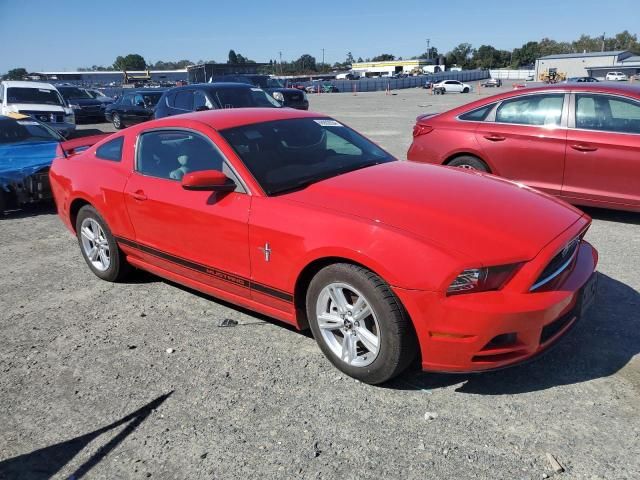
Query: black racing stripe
272, 292
213, 272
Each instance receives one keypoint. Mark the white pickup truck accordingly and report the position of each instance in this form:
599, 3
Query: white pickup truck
41, 101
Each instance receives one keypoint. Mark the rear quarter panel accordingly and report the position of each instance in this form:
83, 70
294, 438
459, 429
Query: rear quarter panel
98, 182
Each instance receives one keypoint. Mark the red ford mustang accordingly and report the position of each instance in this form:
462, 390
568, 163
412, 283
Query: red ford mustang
580, 142
297, 216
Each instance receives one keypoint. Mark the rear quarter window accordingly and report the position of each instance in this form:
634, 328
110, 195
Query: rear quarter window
112, 150
477, 114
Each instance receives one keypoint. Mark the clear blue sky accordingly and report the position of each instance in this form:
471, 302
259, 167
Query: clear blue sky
66, 34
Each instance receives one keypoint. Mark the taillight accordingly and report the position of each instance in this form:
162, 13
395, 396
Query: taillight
421, 130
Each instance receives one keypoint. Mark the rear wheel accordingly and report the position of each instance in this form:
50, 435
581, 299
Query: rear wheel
359, 323
469, 162
99, 247
117, 121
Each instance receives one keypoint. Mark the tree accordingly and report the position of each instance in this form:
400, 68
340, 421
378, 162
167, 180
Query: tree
133, 61
233, 58
360, 60
306, 63
15, 74
384, 57
526, 55
349, 60
461, 55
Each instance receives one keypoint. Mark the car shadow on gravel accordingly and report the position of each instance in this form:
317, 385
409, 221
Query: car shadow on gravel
618, 216
37, 209
47, 461
598, 346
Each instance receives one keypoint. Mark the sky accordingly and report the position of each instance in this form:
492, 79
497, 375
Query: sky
45, 35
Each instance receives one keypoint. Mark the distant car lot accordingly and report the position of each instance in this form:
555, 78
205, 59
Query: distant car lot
79, 355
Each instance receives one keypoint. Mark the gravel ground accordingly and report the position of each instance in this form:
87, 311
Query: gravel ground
137, 380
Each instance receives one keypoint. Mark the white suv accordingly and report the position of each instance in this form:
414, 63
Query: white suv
616, 76
39, 100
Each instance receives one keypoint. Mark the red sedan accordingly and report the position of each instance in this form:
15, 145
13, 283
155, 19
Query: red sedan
295, 215
580, 142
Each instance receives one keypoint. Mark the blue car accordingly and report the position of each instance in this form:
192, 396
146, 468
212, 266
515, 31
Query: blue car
27, 149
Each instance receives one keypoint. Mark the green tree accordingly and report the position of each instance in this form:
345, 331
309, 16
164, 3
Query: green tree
233, 58
384, 57
349, 60
306, 63
15, 74
460, 56
133, 61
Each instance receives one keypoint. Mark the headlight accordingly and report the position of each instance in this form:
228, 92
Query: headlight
70, 118
278, 96
75, 106
475, 280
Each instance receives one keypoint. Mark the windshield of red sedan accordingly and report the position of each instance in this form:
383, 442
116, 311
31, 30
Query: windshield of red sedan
289, 154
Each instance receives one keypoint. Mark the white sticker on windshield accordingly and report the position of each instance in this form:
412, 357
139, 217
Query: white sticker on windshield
44, 90
256, 89
328, 123
27, 122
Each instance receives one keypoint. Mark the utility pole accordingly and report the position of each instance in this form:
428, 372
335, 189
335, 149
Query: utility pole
602, 48
280, 53
323, 58
428, 48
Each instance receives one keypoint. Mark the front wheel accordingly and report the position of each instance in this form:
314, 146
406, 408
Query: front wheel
465, 90
99, 247
359, 323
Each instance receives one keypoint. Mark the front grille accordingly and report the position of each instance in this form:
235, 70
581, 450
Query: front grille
294, 97
46, 117
558, 264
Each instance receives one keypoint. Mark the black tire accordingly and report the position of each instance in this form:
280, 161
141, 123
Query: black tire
469, 162
2, 202
118, 124
465, 90
397, 339
118, 266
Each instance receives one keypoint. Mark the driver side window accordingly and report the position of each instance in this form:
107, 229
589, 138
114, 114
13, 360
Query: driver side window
170, 154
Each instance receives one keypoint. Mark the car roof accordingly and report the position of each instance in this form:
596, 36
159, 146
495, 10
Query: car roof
236, 117
143, 90
212, 86
24, 84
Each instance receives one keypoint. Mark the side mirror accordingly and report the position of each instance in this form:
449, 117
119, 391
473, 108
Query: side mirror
208, 180
202, 108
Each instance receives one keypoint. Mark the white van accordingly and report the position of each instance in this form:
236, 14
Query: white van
39, 100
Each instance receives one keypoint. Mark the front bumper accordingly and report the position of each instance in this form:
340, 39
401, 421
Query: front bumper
490, 330
298, 105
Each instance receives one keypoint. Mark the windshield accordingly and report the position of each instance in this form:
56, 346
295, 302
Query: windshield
33, 95
27, 130
274, 83
286, 155
96, 93
245, 97
73, 92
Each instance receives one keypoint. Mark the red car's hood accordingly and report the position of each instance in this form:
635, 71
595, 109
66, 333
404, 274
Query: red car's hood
482, 217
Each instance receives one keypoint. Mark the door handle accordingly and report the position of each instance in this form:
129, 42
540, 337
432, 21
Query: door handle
138, 195
494, 138
581, 147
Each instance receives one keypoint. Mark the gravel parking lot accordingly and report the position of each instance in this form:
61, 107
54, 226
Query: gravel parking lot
137, 380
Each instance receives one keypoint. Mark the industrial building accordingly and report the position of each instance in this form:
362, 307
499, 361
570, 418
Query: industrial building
592, 64
391, 67
107, 77
203, 72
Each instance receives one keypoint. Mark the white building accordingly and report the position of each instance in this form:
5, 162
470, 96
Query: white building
391, 67
594, 64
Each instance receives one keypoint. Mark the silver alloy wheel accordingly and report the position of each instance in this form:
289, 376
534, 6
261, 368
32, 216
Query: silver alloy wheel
466, 166
348, 324
95, 244
116, 120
